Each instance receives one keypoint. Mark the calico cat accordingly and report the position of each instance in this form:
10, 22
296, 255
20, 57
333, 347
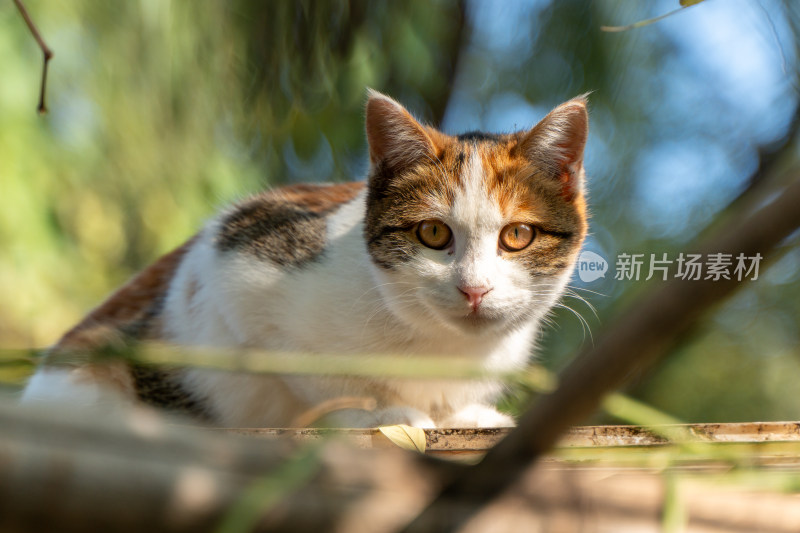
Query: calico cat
454, 246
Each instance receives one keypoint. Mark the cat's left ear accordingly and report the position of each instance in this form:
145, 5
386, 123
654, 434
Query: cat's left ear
395, 138
556, 144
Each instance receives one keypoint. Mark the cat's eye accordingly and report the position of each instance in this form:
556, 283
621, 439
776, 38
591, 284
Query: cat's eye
517, 236
434, 234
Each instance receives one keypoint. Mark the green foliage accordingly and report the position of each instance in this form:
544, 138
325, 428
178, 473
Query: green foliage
162, 111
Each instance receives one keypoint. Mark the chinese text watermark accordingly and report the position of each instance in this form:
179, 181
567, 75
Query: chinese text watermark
694, 267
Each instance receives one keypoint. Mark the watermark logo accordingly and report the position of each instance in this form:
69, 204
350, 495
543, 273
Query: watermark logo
591, 266
695, 267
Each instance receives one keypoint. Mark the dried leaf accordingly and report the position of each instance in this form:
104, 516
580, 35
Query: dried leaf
407, 437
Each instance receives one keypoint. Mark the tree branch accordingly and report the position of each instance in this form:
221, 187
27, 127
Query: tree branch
48, 54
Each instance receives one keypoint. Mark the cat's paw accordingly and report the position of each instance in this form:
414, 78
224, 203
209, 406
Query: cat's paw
477, 416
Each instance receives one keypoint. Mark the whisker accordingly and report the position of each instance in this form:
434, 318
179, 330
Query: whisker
584, 324
574, 288
570, 294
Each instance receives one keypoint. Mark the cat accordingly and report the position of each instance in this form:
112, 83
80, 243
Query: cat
456, 246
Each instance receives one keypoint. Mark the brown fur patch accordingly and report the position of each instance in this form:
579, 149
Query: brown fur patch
286, 226
128, 305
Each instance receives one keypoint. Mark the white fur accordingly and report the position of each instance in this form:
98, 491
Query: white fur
342, 303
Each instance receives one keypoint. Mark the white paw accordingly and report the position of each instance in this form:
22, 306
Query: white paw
477, 416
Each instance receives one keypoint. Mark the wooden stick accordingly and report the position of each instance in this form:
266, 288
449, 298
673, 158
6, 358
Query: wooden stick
481, 440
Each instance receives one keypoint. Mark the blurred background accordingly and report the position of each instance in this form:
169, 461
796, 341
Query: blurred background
161, 112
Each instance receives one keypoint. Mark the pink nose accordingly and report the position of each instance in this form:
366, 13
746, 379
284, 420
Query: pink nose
474, 295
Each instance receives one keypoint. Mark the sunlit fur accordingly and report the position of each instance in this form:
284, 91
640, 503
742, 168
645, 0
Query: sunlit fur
339, 269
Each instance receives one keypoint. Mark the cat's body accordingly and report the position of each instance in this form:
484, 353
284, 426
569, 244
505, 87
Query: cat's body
423, 259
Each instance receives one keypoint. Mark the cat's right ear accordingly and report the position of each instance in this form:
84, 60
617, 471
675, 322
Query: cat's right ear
395, 138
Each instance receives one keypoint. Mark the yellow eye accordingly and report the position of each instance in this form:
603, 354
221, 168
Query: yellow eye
434, 234
516, 237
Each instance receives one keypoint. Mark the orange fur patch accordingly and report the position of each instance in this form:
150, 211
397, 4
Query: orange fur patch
320, 198
524, 192
505, 182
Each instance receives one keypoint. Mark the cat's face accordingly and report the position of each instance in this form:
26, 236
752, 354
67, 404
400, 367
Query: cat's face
474, 232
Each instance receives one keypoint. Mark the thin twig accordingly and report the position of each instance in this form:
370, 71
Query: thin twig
48, 54
458, 49
316, 413
641, 23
